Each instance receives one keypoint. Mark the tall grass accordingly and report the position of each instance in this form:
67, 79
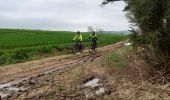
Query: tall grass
22, 45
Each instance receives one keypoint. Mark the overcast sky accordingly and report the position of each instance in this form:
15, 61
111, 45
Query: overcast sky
68, 15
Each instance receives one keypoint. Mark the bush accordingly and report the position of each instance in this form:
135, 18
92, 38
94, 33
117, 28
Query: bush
44, 50
6, 59
20, 54
1, 52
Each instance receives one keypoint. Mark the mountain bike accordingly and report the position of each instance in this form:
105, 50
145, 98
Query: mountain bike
93, 45
77, 47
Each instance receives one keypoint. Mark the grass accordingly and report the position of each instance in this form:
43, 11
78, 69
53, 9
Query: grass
22, 45
117, 58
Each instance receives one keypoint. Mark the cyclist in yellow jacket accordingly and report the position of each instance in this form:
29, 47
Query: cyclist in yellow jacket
78, 41
78, 37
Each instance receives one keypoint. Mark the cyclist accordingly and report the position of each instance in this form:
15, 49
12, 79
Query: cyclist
93, 38
78, 39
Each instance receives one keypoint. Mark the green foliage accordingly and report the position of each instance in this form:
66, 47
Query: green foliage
1, 52
12, 39
121, 65
20, 54
23, 45
117, 60
139, 40
149, 16
45, 50
152, 18
115, 57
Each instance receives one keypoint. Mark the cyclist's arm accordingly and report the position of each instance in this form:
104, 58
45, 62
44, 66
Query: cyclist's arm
90, 36
75, 38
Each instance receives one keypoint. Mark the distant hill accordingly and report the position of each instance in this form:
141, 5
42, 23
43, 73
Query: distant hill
116, 32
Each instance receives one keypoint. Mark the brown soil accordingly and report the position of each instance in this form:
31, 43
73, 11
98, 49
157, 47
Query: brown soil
63, 78
23, 70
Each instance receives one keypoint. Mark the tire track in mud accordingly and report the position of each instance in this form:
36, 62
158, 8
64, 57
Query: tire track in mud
20, 84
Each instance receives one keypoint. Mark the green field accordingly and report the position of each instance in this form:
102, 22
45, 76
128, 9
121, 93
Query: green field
23, 45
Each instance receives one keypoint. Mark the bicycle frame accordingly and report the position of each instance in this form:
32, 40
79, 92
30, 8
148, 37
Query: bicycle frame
93, 45
77, 47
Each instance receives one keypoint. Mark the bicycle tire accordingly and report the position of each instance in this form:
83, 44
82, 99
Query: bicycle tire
73, 50
89, 49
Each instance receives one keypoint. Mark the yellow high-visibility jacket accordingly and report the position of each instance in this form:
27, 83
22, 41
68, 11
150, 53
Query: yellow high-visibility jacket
78, 37
93, 36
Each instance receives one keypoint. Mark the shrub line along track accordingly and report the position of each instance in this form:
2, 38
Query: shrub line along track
11, 80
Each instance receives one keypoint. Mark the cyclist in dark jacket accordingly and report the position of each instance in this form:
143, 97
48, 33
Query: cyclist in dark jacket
93, 38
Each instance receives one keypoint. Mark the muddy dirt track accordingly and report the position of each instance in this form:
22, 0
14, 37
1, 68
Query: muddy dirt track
12, 76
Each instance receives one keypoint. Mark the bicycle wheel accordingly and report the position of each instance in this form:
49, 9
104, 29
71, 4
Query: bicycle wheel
81, 48
94, 46
74, 50
89, 49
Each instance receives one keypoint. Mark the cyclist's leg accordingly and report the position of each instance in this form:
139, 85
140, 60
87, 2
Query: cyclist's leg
93, 44
76, 46
79, 46
82, 46
74, 49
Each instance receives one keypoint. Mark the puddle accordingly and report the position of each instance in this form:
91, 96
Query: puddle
93, 88
5, 85
7, 88
16, 89
12, 83
88, 94
127, 44
92, 83
11, 87
100, 91
3, 95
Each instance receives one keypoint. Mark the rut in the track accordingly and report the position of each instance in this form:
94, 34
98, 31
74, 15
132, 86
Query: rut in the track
22, 84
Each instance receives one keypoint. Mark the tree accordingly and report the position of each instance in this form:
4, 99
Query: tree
152, 17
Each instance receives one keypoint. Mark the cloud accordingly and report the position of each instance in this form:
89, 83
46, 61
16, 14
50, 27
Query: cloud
62, 14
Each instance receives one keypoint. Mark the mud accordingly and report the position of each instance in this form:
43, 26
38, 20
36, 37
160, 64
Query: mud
39, 74
92, 83
94, 88
83, 77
